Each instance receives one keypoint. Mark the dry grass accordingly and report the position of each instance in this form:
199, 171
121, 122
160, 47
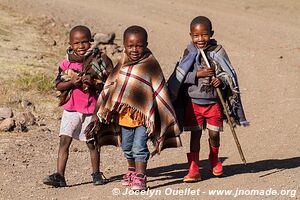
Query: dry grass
39, 82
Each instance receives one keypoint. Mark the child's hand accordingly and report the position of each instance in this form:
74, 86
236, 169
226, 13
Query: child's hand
87, 79
76, 80
205, 72
216, 82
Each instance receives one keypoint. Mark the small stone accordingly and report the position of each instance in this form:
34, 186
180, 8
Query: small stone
40, 57
25, 103
67, 25
28, 106
280, 57
54, 43
108, 168
21, 128
7, 124
75, 149
46, 130
102, 38
5, 112
41, 124
25, 118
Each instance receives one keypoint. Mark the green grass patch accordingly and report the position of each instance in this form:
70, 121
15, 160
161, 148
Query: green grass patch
38, 82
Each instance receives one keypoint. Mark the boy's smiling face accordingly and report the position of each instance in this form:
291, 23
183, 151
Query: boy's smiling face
135, 45
80, 42
200, 35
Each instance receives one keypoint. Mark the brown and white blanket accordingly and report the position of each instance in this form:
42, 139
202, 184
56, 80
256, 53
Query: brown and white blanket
141, 87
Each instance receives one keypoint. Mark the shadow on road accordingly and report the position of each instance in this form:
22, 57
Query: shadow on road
79, 184
173, 174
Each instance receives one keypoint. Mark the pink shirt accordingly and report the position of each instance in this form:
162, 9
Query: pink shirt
83, 102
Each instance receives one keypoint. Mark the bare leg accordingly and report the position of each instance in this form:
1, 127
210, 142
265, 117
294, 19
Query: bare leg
95, 157
195, 141
131, 163
214, 138
141, 167
63, 154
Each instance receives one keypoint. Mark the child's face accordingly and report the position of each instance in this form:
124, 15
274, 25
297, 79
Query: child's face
80, 43
135, 46
200, 35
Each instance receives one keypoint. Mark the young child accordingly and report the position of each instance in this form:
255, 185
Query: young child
201, 108
85, 69
135, 97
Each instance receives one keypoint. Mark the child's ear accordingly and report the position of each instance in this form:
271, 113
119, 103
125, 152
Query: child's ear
211, 33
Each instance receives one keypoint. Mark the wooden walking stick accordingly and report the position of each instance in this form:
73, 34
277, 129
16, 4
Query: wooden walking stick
226, 113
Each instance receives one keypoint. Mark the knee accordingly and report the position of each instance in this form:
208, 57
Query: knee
140, 152
126, 145
65, 142
91, 146
214, 135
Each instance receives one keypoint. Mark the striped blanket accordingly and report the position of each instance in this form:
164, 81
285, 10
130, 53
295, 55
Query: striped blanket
141, 87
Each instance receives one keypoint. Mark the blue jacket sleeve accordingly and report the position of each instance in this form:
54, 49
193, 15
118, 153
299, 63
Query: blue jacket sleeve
190, 78
222, 58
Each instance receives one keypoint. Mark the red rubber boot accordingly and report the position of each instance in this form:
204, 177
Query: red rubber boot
216, 165
193, 175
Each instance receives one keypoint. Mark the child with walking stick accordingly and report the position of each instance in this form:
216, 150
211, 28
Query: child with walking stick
193, 88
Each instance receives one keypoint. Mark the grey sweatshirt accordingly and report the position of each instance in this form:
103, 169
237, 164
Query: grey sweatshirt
198, 89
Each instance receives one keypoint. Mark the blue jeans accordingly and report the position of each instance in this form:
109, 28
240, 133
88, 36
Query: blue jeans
134, 143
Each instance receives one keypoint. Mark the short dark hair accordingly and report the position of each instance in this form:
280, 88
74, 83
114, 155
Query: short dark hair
201, 20
83, 29
135, 29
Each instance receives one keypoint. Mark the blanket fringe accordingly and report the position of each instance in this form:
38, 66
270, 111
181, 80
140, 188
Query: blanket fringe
111, 116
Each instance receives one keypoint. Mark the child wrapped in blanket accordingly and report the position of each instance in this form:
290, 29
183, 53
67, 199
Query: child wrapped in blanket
192, 87
135, 98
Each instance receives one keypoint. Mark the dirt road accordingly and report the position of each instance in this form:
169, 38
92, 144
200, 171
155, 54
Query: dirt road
262, 40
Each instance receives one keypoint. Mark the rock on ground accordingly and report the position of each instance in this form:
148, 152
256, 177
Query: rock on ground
7, 124
5, 112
